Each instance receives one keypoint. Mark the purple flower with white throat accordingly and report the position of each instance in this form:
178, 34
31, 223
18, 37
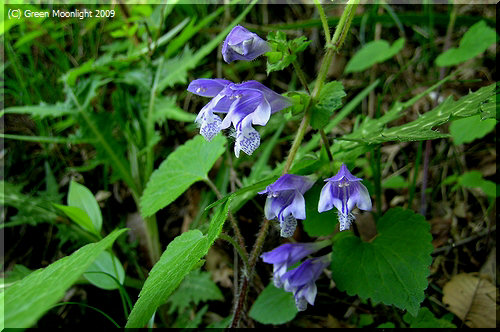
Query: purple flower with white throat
245, 104
284, 256
344, 191
285, 201
302, 280
241, 44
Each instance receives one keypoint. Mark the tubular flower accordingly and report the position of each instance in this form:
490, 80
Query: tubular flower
344, 191
285, 201
284, 256
245, 104
241, 44
302, 280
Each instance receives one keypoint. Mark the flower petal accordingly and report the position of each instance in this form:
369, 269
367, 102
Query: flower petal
362, 197
325, 198
288, 226
297, 207
247, 140
241, 44
210, 126
207, 87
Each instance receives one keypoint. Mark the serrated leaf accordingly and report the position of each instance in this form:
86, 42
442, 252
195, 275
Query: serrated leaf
393, 267
195, 288
274, 306
474, 42
318, 224
469, 129
373, 52
166, 109
329, 101
181, 256
98, 273
188, 164
175, 70
426, 319
283, 52
40, 111
372, 131
80, 196
27, 300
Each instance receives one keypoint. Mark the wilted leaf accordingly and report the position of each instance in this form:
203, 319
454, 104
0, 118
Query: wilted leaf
472, 299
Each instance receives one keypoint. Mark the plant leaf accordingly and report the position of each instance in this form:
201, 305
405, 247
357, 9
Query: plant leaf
182, 255
318, 224
97, 272
195, 288
188, 164
40, 111
426, 319
80, 196
393, 267
330, 99
469, 129
472, 299
78, 216
474, 42
274, 306
27, 300
372, 131
283, 52
373, 52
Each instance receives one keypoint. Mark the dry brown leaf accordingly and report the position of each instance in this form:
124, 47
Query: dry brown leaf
472, 299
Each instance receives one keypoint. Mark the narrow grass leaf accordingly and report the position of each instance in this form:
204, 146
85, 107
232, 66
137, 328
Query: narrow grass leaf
27, 300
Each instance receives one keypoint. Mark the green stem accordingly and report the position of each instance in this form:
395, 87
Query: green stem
298, 140
234, 224
241, 251
338, 38
301, 76
324, 21
150, 124
344, 25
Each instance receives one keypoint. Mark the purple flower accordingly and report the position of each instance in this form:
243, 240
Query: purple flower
285, 201
302, 280
245, 104
344, 191
241, 44
284, 256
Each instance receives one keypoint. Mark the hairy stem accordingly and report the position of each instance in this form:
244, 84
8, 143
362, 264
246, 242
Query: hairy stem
234, 224
257, 248
324, 21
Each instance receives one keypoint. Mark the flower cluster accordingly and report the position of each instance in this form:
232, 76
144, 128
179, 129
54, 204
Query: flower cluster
251, 103
343, 191
245, 104
302, 279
